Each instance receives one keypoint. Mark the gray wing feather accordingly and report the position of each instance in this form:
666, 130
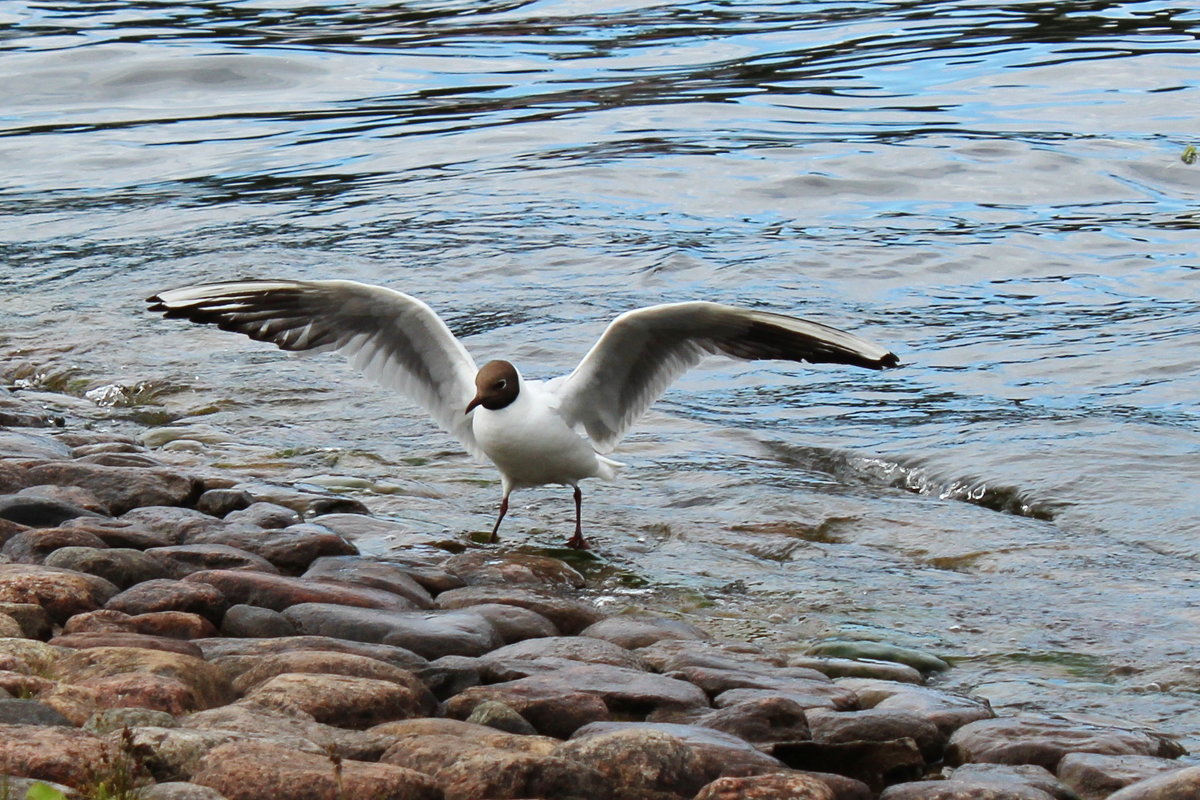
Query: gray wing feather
642, 352
391, 337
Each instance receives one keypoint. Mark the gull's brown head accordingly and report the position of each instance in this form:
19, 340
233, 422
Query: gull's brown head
496, 385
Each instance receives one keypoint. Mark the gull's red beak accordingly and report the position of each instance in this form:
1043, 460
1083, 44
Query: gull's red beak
473, 403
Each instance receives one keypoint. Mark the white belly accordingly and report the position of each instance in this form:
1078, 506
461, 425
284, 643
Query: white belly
531, 445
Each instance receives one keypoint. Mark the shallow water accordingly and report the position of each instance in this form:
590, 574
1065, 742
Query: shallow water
996, 192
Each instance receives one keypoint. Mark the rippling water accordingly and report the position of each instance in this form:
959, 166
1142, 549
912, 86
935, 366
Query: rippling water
994, 191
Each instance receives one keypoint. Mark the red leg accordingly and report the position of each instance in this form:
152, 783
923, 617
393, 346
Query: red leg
503, 511
577, 541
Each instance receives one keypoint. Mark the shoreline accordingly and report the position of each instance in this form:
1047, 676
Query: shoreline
177, 591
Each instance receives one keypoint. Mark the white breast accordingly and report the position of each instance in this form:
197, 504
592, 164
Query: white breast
530, 443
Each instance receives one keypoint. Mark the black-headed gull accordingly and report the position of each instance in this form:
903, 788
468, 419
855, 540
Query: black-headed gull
534, 432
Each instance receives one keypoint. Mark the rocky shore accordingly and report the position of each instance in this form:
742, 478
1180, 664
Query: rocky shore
186, 634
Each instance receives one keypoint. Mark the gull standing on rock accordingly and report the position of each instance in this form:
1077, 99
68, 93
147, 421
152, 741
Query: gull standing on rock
535, 432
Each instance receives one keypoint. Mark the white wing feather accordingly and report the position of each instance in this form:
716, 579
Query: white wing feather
392, 337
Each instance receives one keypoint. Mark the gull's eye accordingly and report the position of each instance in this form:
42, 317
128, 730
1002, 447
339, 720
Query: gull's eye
500, 384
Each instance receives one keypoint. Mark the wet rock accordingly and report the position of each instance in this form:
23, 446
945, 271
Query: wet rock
327, 663
876, 764
14, 711
121, 566
718, 753
254, 622
670, 654
1183, 784
813, 696
250, 771
486, 567
568, 615
61, 592
40, 511
427, 633
334, 505
361, 571
771, 786
73, 495
858, 668
209, 684
449, 675
134, 690
27, 444
1023, 775
291, 549
541, 698
498, 773
279, 592
733, 686
17, 414
764, 720
876, 725
50, 753
343, 700
219, 502
175, 524
119, 488
32, 619
265, 515
639, 757
33, 545
1031, 739
7, 531
180, 790
167, 624
878, 651
1095, 777
472, 733
292, 728
515, 624
119, 533
501, 717
395, 536
115, 719
13, 478
170, 595
236, 656
632, 631
947, 710
961, 790
179, 561
86, 640
574, 648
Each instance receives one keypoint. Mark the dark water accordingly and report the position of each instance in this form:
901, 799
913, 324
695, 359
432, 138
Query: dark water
995, 191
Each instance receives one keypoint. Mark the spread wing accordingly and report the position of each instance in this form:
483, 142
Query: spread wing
644, 351
392, 337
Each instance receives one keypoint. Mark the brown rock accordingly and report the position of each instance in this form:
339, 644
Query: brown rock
291, 728
1095, 777
33, 545
50, 753
771, 786
63, 593
1031, 739
279, 592
499, 773
640, 630
422, 748
487, 567
947, 710
515, 624
169, 595
253, 622
207, 682
33, 619
125, 639
961, 790
252, 771
179, 790
360, 571
20, 684
327, 663
876, 764
568, 615
119, 488
235, 656
122, 566
762, 721
876, 725
1023, 775
291, 549
717, 682
819, 696
1183, 784
168, 624
666, 655
574, 648
554, 704
133, 690
718, 753
859, 668
179, 561
430, 634
342, 700
639, 757
120, 533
